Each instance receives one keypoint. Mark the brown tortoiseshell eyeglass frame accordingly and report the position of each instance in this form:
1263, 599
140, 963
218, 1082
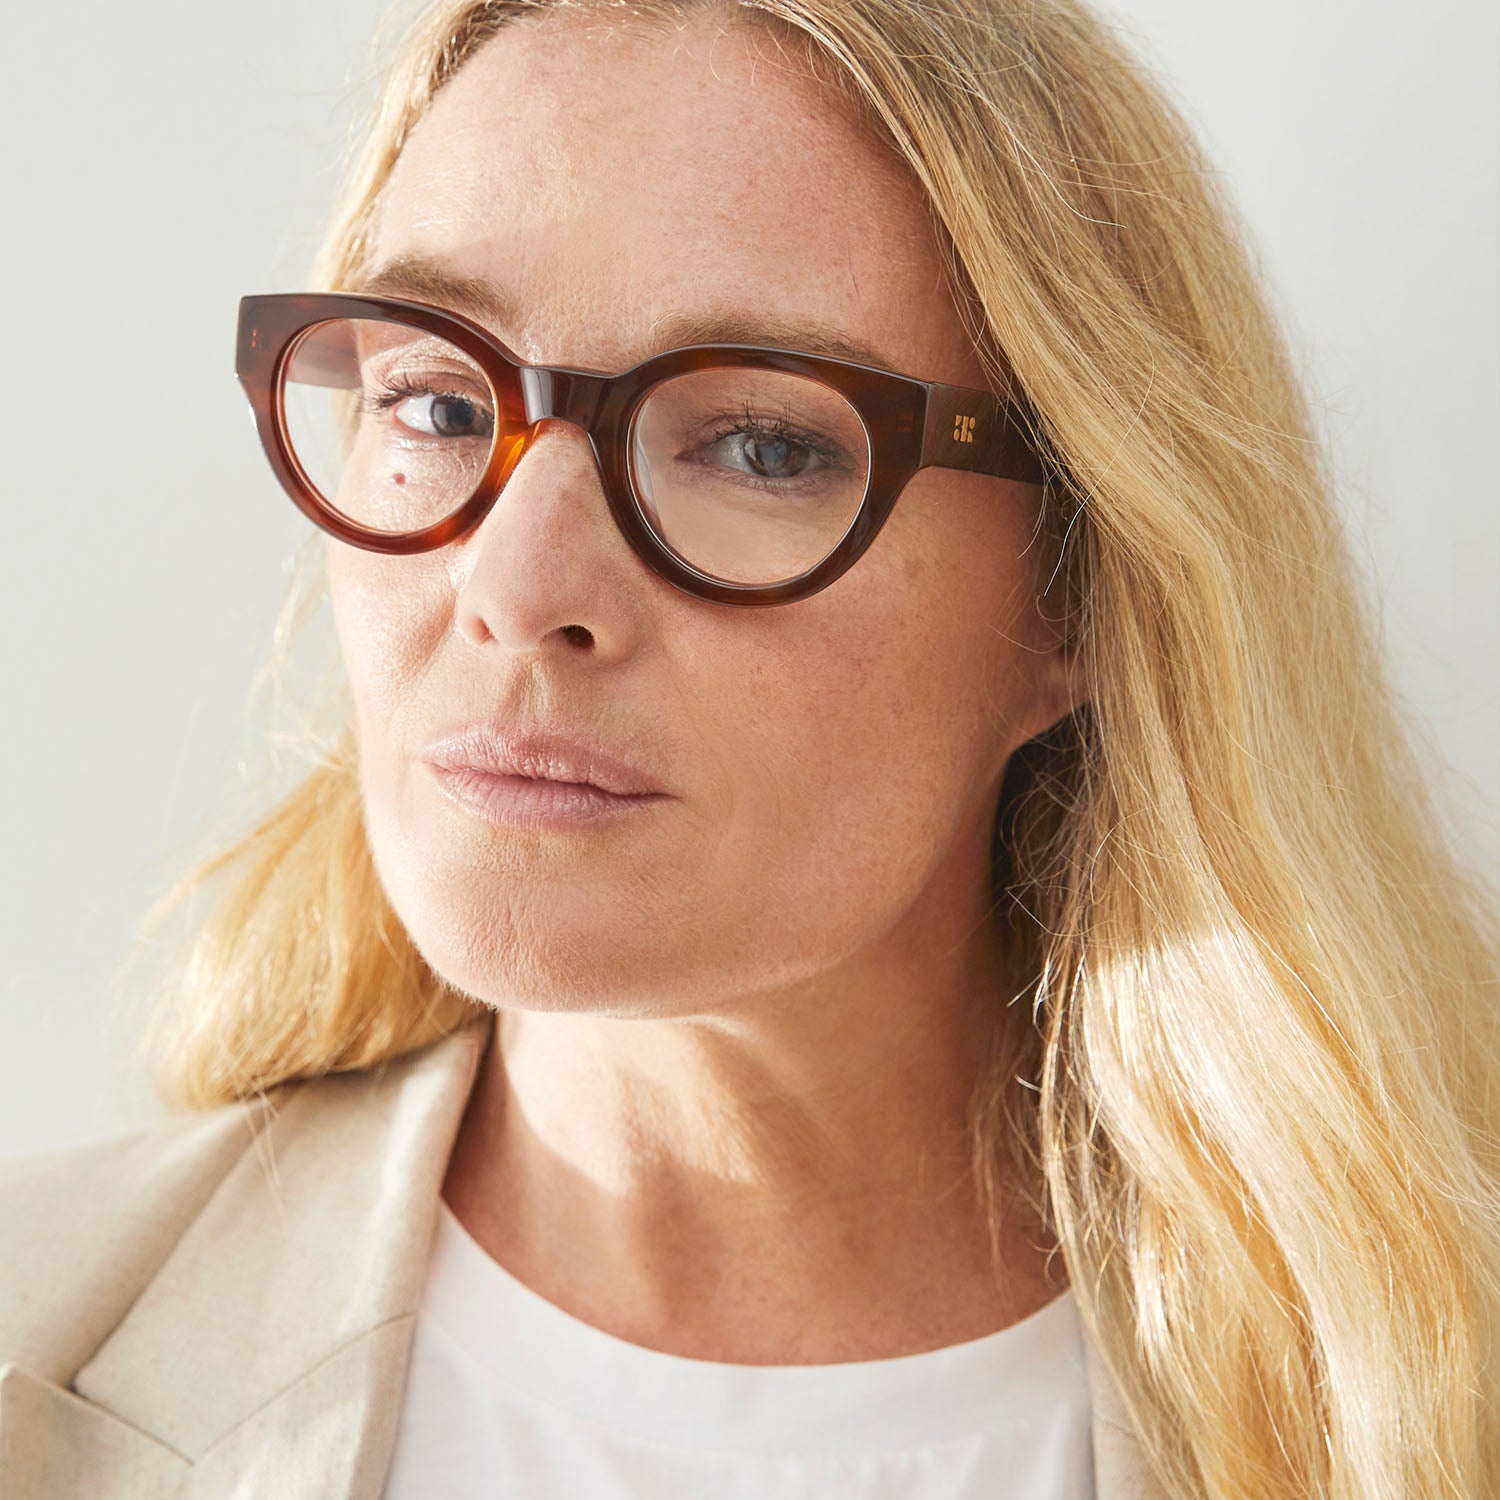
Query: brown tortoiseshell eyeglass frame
912, 424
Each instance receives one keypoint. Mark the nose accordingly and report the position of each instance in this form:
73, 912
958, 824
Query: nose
547, 566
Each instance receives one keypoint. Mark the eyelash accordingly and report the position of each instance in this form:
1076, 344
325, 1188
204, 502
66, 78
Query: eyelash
774, 427
396, 389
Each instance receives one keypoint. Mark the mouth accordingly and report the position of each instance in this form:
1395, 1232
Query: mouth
540, 777
507, 799
540, 756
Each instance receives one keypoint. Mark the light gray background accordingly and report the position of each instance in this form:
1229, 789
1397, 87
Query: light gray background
164, 158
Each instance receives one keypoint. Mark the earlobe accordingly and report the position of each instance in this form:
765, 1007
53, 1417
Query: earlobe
1064, 687
1061, 681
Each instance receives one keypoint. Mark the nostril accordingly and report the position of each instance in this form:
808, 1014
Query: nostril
577, 634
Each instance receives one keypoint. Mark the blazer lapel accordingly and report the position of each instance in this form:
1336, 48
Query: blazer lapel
270, 1350
53, 1443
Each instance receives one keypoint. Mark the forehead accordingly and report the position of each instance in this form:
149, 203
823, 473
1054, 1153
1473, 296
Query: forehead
606, 176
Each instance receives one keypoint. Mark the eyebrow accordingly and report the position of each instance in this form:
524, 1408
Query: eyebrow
421, 280
678, 329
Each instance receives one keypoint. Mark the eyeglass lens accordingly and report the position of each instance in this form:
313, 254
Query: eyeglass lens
751, 475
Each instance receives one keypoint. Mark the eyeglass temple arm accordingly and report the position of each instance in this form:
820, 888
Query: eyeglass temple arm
971, 430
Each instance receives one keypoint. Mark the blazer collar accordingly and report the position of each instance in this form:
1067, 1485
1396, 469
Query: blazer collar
269, 1354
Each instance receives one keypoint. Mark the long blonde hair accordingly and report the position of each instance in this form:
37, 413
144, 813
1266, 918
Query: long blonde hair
1265, 991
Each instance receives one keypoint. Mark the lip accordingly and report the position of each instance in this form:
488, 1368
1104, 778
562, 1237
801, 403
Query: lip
538, 779
556, 763
535, 802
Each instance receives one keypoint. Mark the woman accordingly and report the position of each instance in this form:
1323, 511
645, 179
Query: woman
872, 930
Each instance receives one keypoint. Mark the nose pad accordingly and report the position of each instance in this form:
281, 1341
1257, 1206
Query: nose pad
514, 447
553, 398
538, 409
562, 396
538, 404
539, 393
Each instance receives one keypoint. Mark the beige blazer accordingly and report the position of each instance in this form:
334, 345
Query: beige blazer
221, 1306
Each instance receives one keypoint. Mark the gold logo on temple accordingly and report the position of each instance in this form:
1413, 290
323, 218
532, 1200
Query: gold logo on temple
963, 429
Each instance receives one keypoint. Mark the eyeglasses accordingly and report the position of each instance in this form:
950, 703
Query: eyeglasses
743, 475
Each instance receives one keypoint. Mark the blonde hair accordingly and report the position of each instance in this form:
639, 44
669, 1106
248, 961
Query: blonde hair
1264, 989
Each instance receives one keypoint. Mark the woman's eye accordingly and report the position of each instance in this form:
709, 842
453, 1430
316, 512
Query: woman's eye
449, 416
764, 455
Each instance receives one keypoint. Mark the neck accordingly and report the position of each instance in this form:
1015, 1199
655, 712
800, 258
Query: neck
789, 1183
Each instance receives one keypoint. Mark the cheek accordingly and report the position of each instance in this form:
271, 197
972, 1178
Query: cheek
928, 647
388, 617
861, 724
891, 702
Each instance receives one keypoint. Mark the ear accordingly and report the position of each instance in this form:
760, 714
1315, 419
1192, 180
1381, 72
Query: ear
1057, 694
1059, 682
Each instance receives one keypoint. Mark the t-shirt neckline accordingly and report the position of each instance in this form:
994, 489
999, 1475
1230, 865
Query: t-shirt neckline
1018, 1374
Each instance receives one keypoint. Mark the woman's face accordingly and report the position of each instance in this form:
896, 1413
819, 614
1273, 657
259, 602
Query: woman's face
831, 766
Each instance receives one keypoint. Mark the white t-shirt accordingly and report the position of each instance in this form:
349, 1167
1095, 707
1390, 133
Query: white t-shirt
509, 1396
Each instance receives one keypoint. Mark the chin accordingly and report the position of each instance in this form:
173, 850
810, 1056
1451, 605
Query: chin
556, 955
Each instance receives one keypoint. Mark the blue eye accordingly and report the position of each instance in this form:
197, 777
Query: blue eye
767, 457
770, 450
